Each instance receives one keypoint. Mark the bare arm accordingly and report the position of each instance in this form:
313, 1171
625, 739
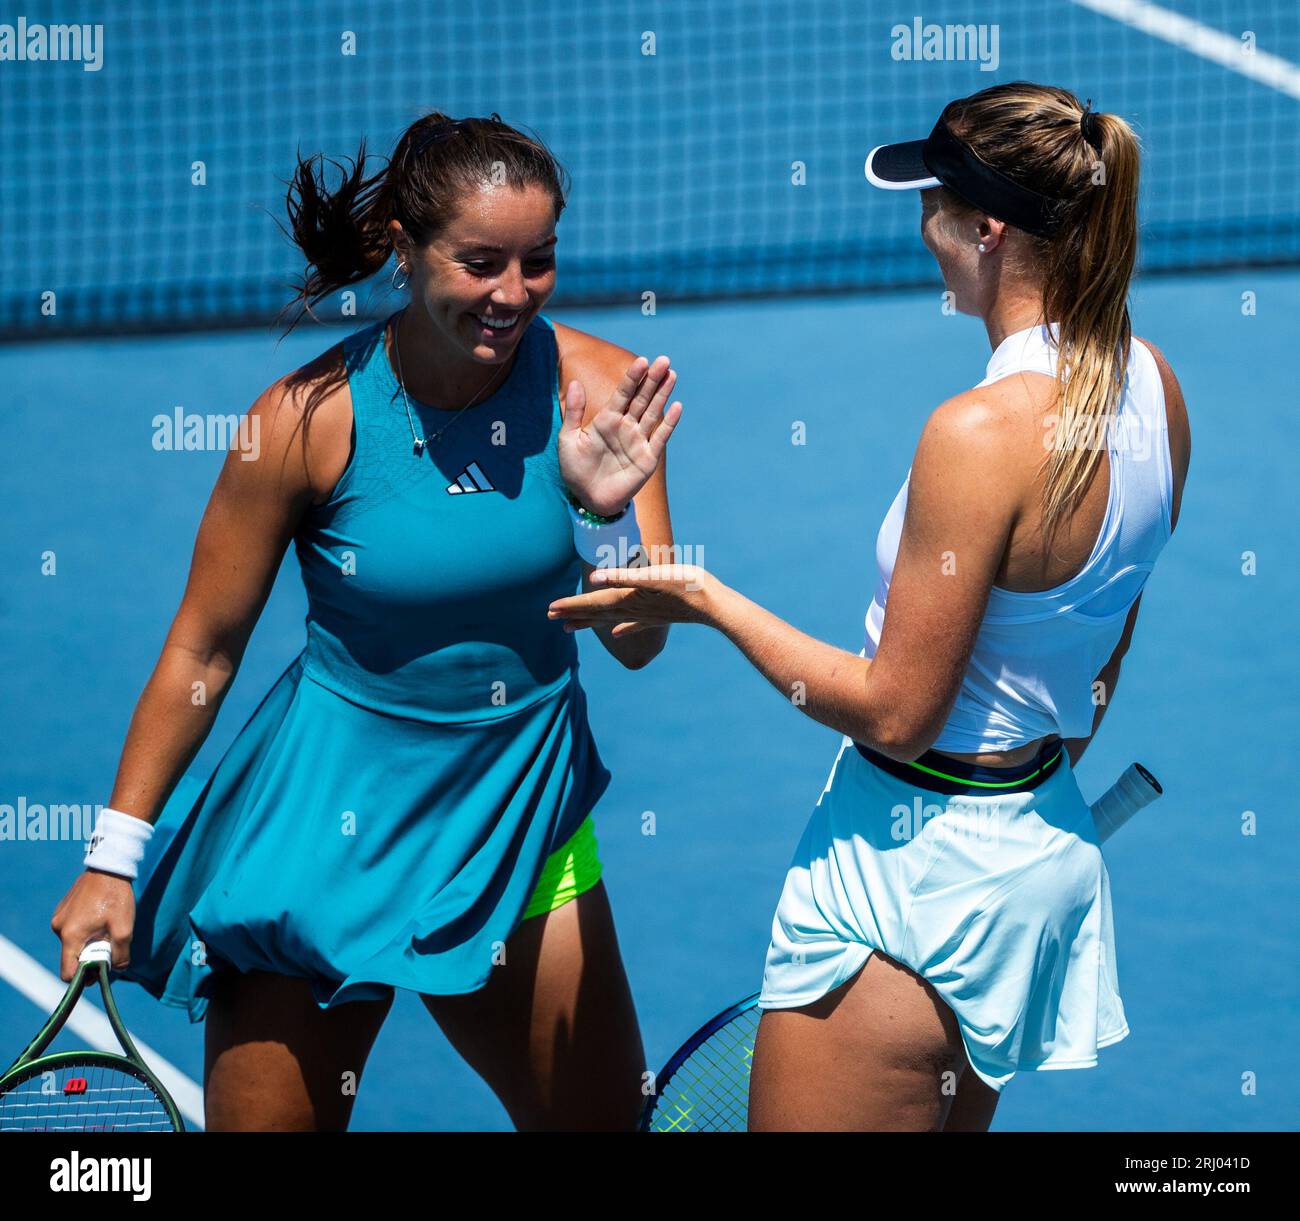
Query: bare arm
969, 481
1107, 680
598, 367
638, 649
965, 490
250, 518
961, 505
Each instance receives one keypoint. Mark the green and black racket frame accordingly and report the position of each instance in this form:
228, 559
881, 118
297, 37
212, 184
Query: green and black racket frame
85, 1091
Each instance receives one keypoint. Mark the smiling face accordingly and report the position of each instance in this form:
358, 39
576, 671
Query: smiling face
488, 273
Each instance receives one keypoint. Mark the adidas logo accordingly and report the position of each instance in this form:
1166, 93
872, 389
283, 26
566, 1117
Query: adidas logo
471, 479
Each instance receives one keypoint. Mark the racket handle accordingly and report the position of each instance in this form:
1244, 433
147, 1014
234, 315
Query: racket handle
96, 951
1134, 790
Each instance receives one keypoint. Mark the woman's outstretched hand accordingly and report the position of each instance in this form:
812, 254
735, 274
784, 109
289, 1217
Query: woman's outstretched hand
607, 462
637, 598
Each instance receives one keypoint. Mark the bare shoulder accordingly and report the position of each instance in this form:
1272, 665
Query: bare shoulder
585, 349
320, 385
305, 422
598, 364
1180, 428
1173, 391
980, 422
977, 437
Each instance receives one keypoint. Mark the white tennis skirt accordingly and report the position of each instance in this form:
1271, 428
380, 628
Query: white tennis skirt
1000, 900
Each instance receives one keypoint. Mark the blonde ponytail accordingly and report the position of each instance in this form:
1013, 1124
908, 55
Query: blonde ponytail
1046, 139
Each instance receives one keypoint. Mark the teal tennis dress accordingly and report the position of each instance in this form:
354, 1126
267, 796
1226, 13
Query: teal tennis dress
381, 820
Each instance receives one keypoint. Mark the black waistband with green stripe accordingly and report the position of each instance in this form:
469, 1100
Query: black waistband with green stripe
940, 774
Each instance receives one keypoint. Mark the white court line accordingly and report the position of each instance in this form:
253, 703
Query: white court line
45, 990
1272, 70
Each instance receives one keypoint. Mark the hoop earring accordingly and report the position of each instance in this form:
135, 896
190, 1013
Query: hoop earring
396, 286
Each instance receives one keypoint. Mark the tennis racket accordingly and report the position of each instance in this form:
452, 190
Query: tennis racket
84, 1091
705, 1086
1136, 789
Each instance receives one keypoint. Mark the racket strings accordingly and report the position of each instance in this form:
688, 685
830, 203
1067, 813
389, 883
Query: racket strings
709, 1091
82, 1098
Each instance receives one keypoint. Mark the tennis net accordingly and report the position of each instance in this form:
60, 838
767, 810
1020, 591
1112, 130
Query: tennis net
144, 194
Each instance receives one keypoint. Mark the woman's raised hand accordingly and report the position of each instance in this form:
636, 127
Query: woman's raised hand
609, 460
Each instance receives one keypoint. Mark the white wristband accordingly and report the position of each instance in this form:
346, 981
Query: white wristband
117, 846
616, 544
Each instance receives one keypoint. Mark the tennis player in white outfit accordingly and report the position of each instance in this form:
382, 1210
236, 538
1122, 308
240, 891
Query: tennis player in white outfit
946, 920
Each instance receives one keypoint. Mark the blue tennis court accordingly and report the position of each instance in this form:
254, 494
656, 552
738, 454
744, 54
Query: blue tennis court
778, 314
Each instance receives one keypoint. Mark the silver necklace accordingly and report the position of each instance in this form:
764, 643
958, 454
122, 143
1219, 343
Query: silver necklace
418, 441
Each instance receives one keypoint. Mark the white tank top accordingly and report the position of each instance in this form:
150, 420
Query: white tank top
1037, 654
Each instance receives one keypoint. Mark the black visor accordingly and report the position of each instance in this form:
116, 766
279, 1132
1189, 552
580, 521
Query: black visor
942, 158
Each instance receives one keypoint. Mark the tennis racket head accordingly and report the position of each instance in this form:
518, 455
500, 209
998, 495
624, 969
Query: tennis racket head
705, 1086
84, 1091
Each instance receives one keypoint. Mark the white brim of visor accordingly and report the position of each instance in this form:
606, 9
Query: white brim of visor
893, 184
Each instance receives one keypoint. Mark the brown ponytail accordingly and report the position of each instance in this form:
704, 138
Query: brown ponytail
343, 232
1046, 139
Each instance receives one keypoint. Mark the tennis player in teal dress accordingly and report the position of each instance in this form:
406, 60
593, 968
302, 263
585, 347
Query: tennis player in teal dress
409, 806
